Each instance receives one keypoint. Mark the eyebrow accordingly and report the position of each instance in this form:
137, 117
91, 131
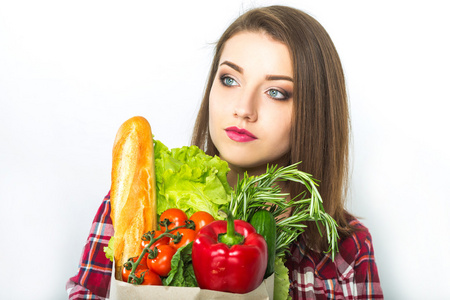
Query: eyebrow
268, 77
279, 77
233, 66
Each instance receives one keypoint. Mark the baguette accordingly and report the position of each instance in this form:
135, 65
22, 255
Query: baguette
133, 189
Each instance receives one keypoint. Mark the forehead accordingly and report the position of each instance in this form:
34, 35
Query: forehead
258, 50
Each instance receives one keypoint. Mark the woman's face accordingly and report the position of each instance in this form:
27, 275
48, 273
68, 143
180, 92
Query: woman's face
250, 104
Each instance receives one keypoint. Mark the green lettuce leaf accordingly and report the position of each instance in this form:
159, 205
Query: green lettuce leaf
182, 271
109, 251
190, 180
281, 280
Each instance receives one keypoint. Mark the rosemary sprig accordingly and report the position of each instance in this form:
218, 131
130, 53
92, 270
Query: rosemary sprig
253, 193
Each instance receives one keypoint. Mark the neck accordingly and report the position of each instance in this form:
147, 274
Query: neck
238, 172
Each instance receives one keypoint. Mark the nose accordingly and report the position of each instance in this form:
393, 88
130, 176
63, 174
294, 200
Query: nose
246, 107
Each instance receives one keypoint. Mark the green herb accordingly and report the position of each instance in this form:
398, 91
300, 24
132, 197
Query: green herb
182, 272
253, 193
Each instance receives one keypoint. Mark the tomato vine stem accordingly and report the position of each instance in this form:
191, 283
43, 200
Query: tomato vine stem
150, 236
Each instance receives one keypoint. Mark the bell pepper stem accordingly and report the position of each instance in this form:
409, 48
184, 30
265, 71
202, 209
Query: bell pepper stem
231, 237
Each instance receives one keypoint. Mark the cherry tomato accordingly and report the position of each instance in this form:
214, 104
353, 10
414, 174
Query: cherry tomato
161, 263
188, 236
142, 266
150, 277
163, 241
201, 218
174, 215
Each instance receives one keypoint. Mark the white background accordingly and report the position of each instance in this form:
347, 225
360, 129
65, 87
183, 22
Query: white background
72, 71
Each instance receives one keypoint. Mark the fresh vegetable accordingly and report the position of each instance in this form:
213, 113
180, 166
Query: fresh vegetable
188, 179
160, 260
171, 262
229, 256
182, 272
201, 219
126, 269
176, 217
146, 238
187, 236
265, 225
281, 281
136, 277
255, 192
148, 277
109, 251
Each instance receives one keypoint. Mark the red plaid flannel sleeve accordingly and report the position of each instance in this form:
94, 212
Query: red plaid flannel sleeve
94, 270
352, 275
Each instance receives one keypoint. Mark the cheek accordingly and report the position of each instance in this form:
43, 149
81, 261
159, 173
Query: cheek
214, 117
284, 141
213, 113
288, 127
281, 132
213, 102
281, 124
217, 106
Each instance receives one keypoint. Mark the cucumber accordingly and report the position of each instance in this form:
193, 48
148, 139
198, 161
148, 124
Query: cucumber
265, 225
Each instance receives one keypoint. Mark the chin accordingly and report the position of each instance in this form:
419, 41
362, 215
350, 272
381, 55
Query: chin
244, 163
252, 163
241, 162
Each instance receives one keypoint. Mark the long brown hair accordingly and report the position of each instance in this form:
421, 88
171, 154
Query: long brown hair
321, 125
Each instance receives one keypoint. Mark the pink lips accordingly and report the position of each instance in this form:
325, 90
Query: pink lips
239, 134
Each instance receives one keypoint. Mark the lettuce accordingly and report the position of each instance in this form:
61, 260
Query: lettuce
109, 251
189, 179
281, 280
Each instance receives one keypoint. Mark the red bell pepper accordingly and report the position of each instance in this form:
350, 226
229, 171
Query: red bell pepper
229, 256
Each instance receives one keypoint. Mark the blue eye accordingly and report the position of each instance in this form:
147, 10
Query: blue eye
228, 81
276, 94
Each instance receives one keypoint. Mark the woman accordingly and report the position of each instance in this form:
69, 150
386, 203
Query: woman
276, 94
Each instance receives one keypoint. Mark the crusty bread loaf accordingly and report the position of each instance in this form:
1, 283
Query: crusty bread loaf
133, 189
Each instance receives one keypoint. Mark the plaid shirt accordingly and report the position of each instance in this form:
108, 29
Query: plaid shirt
94, 269
353, 275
